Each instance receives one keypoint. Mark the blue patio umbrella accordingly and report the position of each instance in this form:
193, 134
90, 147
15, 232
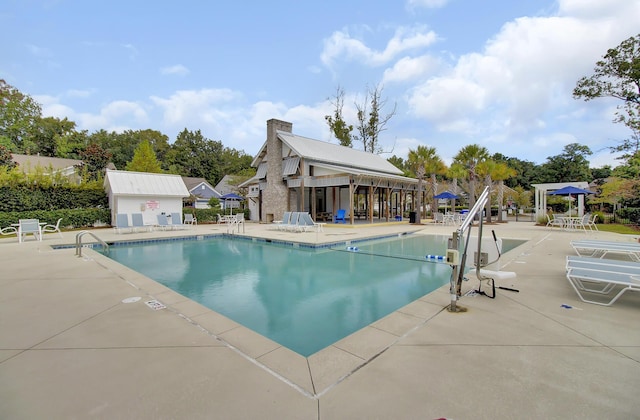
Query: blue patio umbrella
570, 190
231, 197
446, 195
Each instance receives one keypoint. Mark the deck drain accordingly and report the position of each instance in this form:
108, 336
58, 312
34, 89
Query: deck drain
131, 299
155, 305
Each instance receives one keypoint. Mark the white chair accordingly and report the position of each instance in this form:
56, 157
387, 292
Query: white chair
29, 227
137, 222
554, 222
602, 277
190, 219
599, 248
592, 222
53, 228
9, 230
176, 221
122, 223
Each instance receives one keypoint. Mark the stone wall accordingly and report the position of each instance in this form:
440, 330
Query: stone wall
274, 196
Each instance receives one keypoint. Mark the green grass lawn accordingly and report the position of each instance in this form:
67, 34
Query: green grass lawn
615, 228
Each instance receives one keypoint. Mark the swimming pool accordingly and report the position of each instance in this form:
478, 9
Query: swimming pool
303, 298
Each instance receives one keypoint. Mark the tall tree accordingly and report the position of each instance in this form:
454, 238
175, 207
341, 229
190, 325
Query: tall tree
94, 161
144, 159
49, 132
19, 114
617, 75
570, 165
339, 128
425, 160
371, 122
468, 158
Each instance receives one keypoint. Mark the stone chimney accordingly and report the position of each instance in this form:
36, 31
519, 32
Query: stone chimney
275, 197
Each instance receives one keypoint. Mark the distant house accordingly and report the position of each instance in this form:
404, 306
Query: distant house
147, 193
28, 164
296, 173
226, 186
201, 190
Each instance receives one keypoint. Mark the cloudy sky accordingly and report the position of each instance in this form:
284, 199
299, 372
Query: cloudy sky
498, 73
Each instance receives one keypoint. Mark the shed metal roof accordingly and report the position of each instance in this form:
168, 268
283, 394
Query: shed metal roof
321, 151
144, 183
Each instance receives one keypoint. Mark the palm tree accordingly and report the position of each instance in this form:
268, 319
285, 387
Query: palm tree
502, 172
425, 160
456, 172
469, 157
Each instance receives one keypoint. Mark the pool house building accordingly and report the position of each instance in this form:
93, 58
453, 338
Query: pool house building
296, 173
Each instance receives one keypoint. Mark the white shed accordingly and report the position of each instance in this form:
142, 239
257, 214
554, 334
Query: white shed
142, 192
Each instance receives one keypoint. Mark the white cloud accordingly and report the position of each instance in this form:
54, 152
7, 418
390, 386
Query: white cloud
409, 68
178, 69
524, 76
429, 4
132, 50
342, 45
194, 106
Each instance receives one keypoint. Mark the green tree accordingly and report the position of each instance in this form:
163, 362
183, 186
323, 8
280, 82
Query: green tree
6, 159
339, 128
617, 75
425, 160
94, 161
468, 158
571, 165
19, 114
398, 162
49, 132
144, 159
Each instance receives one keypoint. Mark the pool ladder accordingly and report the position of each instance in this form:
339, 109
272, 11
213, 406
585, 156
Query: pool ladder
79, 241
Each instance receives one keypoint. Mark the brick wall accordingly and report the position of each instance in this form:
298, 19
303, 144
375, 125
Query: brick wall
274, 196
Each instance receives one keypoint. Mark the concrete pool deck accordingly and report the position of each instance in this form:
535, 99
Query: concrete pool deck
71, 348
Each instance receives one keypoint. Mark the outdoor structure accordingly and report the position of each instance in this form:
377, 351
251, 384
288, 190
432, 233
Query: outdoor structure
201, 190
147, 193
541, 191
296, 173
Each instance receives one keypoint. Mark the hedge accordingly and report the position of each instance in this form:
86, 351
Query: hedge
71, 218
22, 198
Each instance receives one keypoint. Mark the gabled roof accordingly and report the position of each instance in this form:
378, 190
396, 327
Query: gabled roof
200, 187
144, 183
322, 152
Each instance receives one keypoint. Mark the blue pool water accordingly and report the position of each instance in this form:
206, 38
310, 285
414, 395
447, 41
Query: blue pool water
305, 299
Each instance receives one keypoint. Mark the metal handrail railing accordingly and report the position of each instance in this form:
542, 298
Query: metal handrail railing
79, 236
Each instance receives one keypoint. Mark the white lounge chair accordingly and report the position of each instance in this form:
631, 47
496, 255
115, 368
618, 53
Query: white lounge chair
137, 223
602, 277
293, 221
280, 224
190, 219
176, 221
29, 227
306, 223
122, 223
599, 249
53, 228
163, 222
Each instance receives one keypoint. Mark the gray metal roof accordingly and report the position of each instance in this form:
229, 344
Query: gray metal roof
320, 151
144, 183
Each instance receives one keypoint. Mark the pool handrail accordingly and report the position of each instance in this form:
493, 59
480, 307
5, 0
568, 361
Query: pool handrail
79, 236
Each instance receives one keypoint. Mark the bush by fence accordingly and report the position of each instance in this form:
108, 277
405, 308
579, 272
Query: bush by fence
75, 218
23, 198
